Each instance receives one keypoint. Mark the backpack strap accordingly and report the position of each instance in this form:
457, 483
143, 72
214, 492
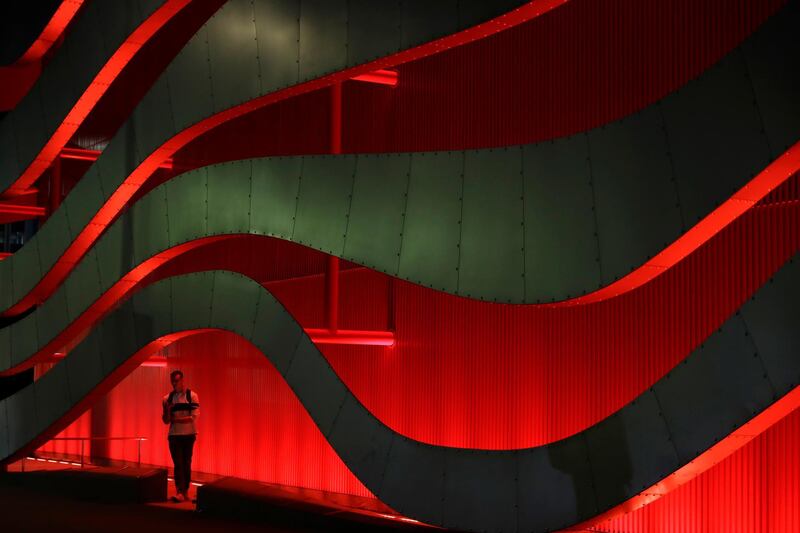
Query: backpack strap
189, 396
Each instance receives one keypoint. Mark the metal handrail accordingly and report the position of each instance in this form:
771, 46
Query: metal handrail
84, 439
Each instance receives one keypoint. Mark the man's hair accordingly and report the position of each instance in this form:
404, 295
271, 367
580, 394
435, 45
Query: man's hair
174, 373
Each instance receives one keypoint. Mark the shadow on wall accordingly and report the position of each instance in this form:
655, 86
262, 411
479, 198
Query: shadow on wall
615, 488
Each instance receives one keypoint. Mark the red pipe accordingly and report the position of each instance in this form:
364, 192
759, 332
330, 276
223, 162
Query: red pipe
332, 294
21, 209
380, 76
85, 154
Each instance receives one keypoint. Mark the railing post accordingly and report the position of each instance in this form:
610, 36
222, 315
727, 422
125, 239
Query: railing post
82, 441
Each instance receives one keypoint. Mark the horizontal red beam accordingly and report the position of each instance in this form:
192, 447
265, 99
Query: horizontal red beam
80, 154
351, 337
21, 209
85, 154
380, 76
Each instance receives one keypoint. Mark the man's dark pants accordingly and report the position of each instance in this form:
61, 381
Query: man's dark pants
180, 447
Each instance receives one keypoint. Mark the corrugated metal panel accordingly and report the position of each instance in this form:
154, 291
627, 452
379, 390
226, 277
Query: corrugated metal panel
577, 67
245, 405
299, 125
478, 375
465, 373
601, 61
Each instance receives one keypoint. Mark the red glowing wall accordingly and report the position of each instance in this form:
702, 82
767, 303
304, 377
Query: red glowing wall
579, 66
250, 426
755, 490
247, 407
465, 373
474, 374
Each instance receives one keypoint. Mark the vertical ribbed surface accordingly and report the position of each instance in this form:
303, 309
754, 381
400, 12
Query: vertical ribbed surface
299, 125
579, 66
467, 373
264, 260
789, 191
79, 428
464, 373
251, 425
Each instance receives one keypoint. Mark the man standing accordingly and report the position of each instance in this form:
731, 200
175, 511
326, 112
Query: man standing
180, 409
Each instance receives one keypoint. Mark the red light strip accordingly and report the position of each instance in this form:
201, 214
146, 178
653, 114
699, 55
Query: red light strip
96, 89
380, 76
351, 336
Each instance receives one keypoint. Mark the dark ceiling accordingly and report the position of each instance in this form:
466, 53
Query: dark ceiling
20, 24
